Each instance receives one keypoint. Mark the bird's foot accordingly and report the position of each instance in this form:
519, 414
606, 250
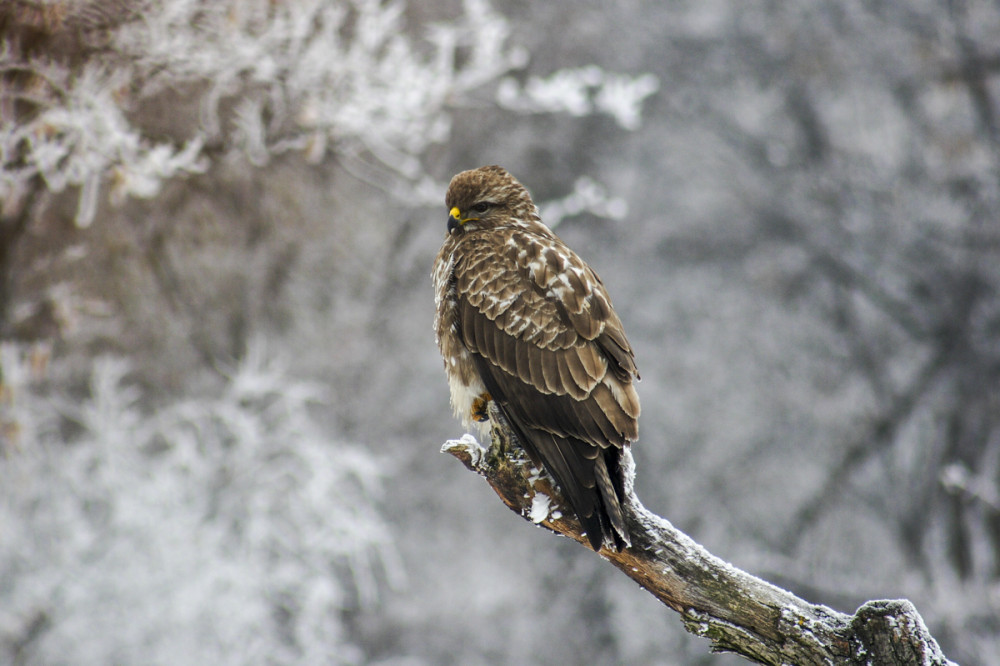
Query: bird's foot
479, 407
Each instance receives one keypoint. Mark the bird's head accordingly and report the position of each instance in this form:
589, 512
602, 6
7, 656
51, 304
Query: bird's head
485, 198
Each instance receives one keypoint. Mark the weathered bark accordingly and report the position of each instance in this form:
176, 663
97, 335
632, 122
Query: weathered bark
734, 610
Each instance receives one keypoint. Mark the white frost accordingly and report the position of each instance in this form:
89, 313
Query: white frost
579, 92
587, 196
469, 443
539, 508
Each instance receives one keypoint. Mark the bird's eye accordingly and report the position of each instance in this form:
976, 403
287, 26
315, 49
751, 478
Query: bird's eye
481, 207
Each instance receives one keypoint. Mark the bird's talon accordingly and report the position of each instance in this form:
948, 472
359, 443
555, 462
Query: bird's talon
479, 408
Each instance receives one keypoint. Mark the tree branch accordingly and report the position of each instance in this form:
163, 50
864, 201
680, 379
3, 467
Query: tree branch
737, 612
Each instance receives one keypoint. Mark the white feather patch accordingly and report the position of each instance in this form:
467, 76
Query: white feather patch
463, 396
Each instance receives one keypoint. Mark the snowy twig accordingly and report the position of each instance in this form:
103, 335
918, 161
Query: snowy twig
736, 611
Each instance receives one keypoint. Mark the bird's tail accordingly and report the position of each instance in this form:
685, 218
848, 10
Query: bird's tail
586, 483
611, 505
589, 477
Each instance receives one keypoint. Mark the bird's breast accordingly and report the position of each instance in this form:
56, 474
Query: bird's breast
463, 378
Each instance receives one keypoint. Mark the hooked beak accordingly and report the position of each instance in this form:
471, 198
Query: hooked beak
455, 219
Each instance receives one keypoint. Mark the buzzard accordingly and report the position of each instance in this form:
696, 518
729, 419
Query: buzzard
523, 321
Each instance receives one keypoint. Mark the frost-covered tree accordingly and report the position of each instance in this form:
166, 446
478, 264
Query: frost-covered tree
869, 173
228, 528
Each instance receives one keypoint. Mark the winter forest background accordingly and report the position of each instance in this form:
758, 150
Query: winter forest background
221, 402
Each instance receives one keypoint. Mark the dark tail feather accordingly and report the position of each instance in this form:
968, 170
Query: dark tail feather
586, 484
595, 530
612, 507
574, 475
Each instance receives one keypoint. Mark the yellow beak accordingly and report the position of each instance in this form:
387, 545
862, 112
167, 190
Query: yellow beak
455, 219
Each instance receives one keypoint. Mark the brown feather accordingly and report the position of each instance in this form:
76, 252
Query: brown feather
599, 308
610, 499
578, 368
593, 363
535, 364
586, 326
509, 354
566, 379
523, 365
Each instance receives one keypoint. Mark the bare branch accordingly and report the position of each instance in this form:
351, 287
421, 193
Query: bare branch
737, 612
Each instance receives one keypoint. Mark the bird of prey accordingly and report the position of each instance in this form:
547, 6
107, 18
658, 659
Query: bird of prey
523, 321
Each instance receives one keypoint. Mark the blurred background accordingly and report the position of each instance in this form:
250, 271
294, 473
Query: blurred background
221, 403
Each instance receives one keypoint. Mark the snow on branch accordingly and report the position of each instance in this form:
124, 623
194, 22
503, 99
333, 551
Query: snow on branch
587, 196
737, 612
581, 91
